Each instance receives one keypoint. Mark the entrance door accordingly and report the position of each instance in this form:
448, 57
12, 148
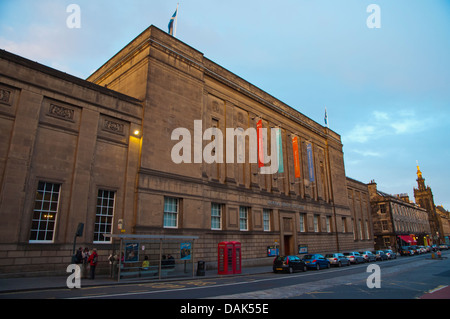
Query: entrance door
287, 244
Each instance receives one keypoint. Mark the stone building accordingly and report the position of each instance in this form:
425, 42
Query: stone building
444, 217
360, 223
438, 221
101, 152
396, 221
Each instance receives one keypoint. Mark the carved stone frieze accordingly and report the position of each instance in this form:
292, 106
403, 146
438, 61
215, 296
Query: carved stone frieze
114, 127
61, 112
5, 96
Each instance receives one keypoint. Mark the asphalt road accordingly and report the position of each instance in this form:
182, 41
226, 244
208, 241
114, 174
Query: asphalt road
403, 278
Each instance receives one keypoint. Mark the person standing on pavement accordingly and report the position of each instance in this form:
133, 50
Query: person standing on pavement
93, 260
85, 262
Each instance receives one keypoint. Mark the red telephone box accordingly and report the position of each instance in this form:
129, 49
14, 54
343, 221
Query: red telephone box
229, 258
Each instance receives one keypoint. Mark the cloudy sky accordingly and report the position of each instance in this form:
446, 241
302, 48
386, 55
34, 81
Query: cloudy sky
387, 89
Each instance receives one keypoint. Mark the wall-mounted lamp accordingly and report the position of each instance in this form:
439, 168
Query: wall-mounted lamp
137, 133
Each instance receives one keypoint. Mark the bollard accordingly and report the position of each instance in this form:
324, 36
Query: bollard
201, 268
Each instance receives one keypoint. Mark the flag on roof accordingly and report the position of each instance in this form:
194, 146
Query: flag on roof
173, 23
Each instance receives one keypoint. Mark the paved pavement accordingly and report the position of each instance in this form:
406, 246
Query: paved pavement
55, 282
442, 292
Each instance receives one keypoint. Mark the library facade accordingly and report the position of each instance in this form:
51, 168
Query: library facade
101, 152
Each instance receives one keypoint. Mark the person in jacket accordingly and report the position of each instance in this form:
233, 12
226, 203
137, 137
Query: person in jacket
93, 260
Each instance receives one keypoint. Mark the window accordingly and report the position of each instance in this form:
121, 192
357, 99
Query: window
316, 223
44, 214
170, 212
344, 224
216, 213
361, 230
328, 220
243, 218
367, 230
383, 208
104, 215
384, 225
302, 222
266, 219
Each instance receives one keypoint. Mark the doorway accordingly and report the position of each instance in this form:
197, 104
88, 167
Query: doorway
287, 239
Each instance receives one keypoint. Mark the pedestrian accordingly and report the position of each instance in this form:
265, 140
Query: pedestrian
86, 255
79, 256
113, 258
93, 260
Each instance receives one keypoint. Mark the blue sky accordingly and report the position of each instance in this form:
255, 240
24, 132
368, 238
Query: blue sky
387, 90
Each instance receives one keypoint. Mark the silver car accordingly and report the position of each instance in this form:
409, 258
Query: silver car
337, 259
390, 254
368, 256
354, 257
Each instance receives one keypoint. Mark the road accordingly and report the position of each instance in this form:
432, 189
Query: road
403, 278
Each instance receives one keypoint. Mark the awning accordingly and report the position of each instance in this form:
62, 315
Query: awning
408, 239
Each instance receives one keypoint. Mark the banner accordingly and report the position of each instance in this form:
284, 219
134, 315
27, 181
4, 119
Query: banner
259, 134
280, 150
309, 152
296, 156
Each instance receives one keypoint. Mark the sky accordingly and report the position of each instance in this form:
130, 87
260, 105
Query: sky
386, 89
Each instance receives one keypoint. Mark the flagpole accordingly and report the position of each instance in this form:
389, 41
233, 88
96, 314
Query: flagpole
176, 21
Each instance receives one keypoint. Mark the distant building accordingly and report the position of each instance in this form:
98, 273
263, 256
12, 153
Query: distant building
396, 221
437, 218
444, 218
360, 223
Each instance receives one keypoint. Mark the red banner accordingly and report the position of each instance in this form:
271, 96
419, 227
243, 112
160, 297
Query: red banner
296, 156
259, 133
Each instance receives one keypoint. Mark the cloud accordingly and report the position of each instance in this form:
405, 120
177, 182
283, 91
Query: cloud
384, 124
368, 153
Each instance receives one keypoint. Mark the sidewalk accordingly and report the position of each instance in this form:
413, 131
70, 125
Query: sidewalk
58, 282
441, 292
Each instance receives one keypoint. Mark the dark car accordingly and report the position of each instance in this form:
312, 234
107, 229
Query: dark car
381, 255
406, 251
316, 261
288, 264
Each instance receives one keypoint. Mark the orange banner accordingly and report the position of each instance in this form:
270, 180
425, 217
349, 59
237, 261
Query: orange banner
259, 133
296, 156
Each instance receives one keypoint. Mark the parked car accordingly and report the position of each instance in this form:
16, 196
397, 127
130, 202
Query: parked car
434, 247
368, 256
443, 247
406, 251
316, 261
354, 257
417, 250
380, 255
337, 259
288, 264
390, 254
